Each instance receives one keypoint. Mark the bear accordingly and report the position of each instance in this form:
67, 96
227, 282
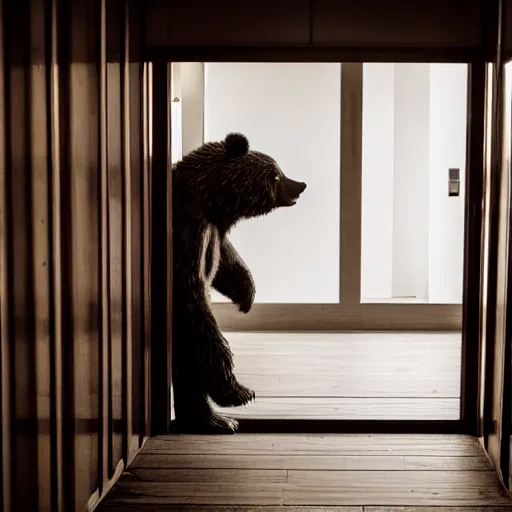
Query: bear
214, 187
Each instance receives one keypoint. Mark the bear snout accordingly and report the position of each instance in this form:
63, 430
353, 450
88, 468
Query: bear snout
295, 188
289, 192
301, 186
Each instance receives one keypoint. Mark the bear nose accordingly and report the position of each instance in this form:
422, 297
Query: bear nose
298, 188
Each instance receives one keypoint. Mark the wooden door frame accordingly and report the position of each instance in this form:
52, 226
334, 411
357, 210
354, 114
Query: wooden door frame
354, 316
160, 245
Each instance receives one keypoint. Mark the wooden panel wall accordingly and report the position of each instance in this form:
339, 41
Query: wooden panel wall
74, 250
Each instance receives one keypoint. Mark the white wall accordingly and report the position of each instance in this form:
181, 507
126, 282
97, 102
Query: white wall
377, 180
448, 118
426, 115
414, 130
192, 98
292, 112
410, 199
187, 86
176, 113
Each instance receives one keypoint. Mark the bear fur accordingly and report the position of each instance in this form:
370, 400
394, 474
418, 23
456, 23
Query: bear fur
214, 187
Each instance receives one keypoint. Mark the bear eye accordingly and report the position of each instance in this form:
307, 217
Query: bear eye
277, 178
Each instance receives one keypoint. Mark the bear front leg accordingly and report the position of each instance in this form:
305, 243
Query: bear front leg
233, 279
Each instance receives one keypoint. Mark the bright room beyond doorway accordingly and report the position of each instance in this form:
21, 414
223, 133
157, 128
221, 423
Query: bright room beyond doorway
375, 245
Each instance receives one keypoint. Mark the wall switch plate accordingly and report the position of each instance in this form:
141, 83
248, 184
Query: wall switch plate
453, 182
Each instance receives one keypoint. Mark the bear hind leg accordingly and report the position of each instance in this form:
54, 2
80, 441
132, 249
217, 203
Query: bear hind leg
193, 412
222, 385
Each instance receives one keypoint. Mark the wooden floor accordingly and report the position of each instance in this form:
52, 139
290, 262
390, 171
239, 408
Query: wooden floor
349, 473
326, 376
350, 376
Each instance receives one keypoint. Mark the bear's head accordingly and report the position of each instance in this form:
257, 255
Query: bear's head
225, 181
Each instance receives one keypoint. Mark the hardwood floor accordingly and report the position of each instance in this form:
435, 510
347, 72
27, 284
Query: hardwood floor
350, 376
374, 473
326, 376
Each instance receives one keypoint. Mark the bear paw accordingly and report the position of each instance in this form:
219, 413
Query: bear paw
244, 298
214, 423
232, 394
245, 306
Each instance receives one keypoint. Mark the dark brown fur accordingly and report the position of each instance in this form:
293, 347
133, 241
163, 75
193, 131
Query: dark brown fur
214, 187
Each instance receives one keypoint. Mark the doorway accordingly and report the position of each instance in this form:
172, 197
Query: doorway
395, 358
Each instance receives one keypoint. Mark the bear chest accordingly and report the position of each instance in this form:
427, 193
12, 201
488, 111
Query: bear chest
210, 254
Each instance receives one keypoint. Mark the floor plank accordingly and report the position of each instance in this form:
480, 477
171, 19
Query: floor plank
413, 488
336, 408
311, 444
192, 493
422, 463
431, 383
252, 461
205, 476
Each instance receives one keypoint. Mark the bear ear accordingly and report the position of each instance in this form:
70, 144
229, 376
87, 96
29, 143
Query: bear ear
236, 145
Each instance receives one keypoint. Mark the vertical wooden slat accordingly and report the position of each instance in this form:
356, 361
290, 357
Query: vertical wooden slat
127, 296
485, 360
64, 348
146, 190
5, 377
40, 248
115, 163
134, 113
24, 433
55, 263
105, 395
7, 295
492, 195
86, 245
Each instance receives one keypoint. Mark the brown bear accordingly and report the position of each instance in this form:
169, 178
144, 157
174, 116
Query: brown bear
214, 187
